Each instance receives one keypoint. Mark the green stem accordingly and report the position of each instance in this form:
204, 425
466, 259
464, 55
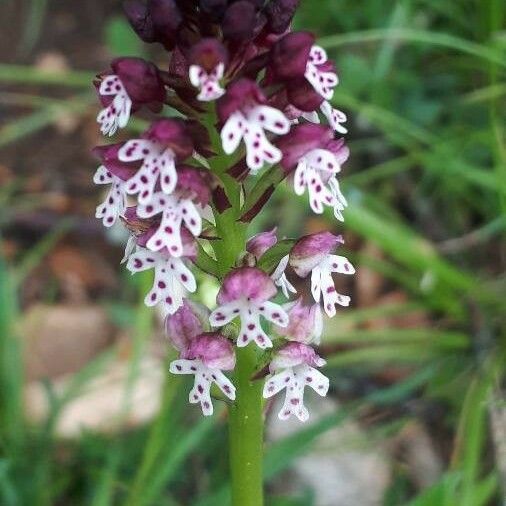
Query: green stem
246, 433
246, 413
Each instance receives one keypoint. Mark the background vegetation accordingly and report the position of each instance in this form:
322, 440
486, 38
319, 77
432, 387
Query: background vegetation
422, 82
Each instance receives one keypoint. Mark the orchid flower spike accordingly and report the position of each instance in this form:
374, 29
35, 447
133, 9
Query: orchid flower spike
132, 83
312, 255
208, 355
245, 293
293, 368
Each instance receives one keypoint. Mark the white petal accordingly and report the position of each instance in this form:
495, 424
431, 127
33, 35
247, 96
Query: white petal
316, 283
322, 159
191, 217
315, 379
276, 383
300, 177
137, 149
168, 174
168, 235
259, 149
340, 264
224, 384
270, 118
251, 330
224, 314
157, 204
102, 176
183, 275
274, 313
183, 366
141, 260
111, 85
196, 75
232, 132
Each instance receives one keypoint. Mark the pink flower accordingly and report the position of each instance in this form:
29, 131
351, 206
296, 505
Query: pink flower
208, 355
305, 325
245, 293
245, 116
185, 324
183, 206
208, 59
132, 83
312, 254
173, 278
293, 368
317, 159
164, 143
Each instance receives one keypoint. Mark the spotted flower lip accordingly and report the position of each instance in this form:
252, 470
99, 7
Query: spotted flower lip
305, 325
246, 117
114, 204
300, 140
293, 368
208, 355
165, 142
245, 293
183, 326
208, 60
260, 243
311, 249
179, 210
132, 83
172, 277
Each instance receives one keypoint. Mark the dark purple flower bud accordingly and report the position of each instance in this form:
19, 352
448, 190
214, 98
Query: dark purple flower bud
185, 325
239, 21
167, 20
173, 134
310, 250
215, 9
139, 18
260, 243
156, 21
290, 54
302, 95
300, 140
214, 350
239, 94
279, 14
194, 183
142, 81
248, 283
108, 155
208, 53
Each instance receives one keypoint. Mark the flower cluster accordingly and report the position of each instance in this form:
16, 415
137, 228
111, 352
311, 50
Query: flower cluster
249, 98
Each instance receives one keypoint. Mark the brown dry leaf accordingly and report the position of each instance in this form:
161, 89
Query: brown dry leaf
62, 339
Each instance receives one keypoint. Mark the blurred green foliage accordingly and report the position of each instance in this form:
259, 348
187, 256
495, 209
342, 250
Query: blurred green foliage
422, 82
